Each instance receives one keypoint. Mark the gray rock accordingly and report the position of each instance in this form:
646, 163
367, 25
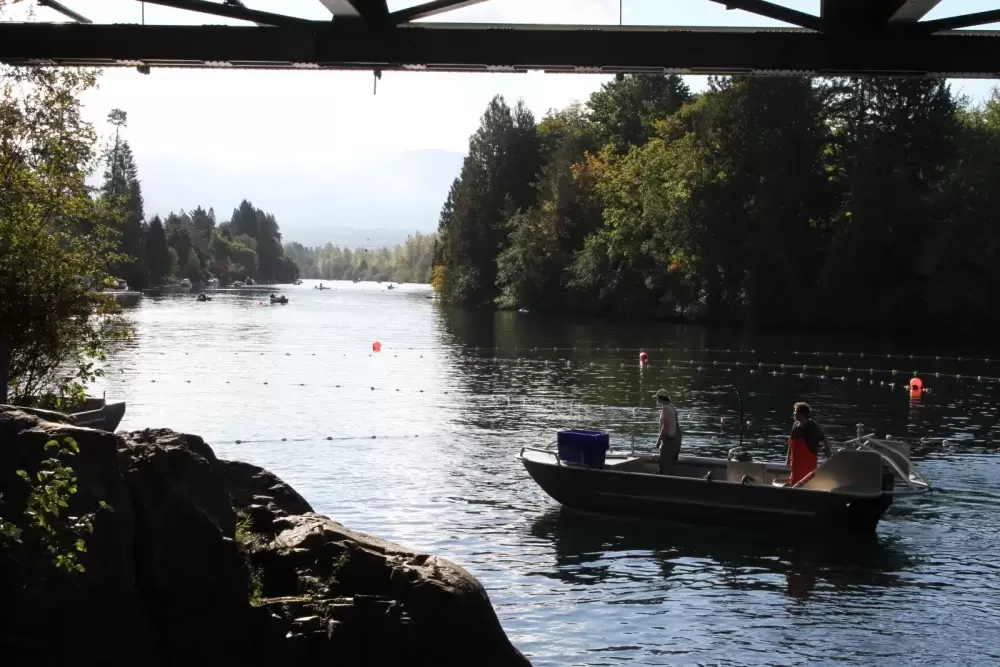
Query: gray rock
248, 484
167, 583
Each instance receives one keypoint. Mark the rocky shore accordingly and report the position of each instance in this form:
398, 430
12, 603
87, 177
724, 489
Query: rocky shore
201, 561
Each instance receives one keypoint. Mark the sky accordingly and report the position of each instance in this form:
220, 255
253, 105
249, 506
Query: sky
333, 161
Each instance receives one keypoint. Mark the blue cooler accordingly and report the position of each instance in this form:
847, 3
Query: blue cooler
587, 448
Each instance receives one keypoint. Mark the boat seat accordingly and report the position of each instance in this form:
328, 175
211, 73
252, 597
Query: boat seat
737, 470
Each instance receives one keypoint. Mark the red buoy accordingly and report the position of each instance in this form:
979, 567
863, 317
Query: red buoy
916, 387
376, 346
643, 357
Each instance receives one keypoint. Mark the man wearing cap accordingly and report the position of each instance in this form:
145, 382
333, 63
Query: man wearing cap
669, 441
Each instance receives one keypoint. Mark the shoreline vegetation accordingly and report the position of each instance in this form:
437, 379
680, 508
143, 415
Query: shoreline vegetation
759, 203
188, 245
407, 262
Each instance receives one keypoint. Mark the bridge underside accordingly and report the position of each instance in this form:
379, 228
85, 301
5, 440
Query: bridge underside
849, 37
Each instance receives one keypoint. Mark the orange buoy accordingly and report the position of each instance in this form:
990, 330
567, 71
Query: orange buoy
376, 346
916, 386
643, 357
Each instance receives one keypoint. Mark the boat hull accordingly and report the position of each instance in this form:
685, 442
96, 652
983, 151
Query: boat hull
697, 501
105, 418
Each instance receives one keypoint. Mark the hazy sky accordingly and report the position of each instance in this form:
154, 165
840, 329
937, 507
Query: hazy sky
323, 153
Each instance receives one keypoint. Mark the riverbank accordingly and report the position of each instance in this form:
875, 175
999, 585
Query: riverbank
199, 559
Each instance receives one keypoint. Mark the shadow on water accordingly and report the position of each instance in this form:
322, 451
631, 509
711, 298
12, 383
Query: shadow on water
586, 548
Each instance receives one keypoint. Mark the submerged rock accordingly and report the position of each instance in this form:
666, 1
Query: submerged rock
204, 560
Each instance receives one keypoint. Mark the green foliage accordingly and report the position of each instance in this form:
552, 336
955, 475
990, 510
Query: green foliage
250, 543
58, 242
624, 111
157, 252
123, 193
409, 262
762, 201
495, 183
47, 540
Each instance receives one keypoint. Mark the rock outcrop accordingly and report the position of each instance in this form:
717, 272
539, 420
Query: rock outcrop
207, 561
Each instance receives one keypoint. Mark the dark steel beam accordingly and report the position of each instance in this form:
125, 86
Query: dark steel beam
64, 10
429, 9
911, 11
233, 12
857, 15
776, 12
374, 12
963, 21
481, 48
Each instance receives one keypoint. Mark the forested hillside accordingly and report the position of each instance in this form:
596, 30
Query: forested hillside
773, 201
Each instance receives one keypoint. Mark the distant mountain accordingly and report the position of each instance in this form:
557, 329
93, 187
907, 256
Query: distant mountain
381, 197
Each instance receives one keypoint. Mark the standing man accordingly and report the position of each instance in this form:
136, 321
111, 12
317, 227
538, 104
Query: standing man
669, 441
804, 445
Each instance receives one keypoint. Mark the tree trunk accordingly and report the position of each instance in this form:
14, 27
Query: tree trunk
4, 370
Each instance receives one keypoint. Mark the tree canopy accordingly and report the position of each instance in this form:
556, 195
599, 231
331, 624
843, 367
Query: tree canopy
761, 201
409, 262
58, 241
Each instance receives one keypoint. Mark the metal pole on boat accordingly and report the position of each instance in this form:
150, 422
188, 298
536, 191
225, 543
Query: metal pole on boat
743, 423
631, 430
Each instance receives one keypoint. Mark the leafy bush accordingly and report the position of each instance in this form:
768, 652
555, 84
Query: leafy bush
46, 539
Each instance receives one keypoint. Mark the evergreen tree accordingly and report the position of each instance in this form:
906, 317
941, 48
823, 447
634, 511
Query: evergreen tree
494, 184
180, 240
121, 186
624, 110
158, 252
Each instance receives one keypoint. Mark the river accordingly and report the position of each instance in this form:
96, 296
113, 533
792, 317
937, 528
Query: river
417, 444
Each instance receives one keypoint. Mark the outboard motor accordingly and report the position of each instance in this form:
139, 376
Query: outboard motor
739, 454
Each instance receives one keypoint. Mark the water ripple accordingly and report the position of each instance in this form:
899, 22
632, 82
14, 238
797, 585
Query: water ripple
417, 444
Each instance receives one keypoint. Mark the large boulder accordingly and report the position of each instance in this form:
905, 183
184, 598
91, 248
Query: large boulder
190, 571
204, 561
346, 596
99, 611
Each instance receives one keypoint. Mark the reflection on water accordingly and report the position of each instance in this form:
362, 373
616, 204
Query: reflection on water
582, 545
417, 444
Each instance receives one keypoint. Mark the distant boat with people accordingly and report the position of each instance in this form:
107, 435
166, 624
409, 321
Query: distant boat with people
279, 299
122, 294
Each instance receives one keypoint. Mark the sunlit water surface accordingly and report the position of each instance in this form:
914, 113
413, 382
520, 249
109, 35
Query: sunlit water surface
417, 444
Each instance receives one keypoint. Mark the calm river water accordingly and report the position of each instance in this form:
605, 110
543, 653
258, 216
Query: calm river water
417, 444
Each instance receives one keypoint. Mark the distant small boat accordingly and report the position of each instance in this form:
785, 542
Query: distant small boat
391, 287
203, 297
279, 299
320, 287
98, 413
122, 294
